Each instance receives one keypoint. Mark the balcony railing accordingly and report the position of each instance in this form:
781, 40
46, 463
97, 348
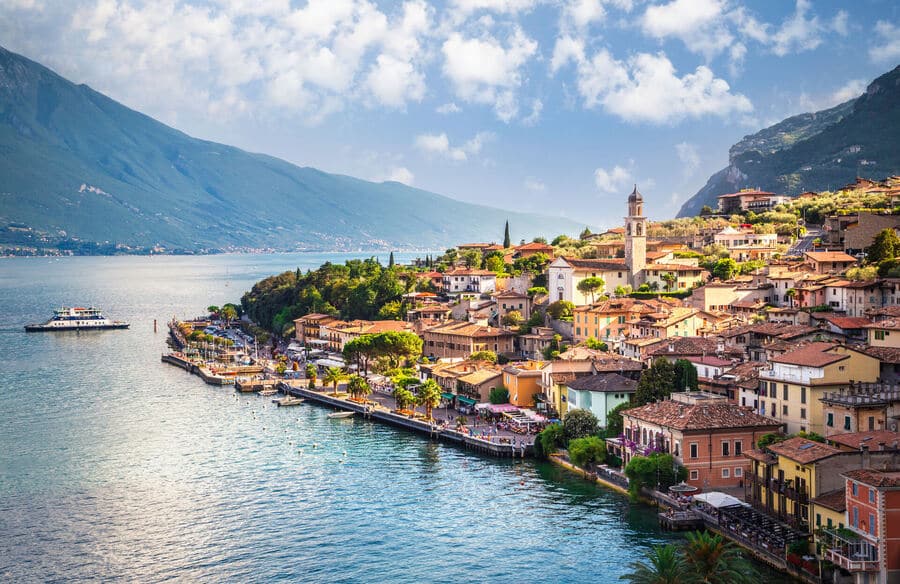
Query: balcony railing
850, 552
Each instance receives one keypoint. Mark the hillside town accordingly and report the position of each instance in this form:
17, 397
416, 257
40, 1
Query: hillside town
789, 414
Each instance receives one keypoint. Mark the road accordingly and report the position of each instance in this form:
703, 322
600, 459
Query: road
805, 243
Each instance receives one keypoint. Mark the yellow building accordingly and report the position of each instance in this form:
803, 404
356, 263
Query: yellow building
785, 476
884, 333
523, 380
791, 388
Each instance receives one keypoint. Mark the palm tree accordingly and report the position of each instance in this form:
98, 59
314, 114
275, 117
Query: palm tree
664, 566
404, 398
790, 294
358, 386
228, 314
213, 311
712, 560
333, 376
311, 373
429, 396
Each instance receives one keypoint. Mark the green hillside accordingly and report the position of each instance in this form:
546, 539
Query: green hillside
74, 162
814, 152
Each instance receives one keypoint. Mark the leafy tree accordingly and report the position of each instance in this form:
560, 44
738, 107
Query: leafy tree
587, 450
664, 565
489, 356
621, 291
494, 262
506, 241
429, 395
333, 376
685, 375
579, 423
657, 470
213, 311
392, 310
706, 210
358, 387
537, 291
885, 247
549, 439
768, 439
594, 344
615, 425
499, 395
712, 560
656, 383
725, 269
554, 348
586, 232
513, 318
591, 285
473, 259
862, 274
561, 310
815, 437
404, 398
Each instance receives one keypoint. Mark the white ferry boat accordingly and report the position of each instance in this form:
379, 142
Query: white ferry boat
70, 319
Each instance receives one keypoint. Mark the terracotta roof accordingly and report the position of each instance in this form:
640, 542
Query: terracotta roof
710, 360
480, 376
534, 246
872, 439
835, 500
746, 194
829, 256
468, 329
760, 456
875, 478
885, 311
604, 382
674, 267
812, 355
688, 346
468, 272
845, 322
509, 294
605, 364
885, 323
711, 416
890, 355
803, 450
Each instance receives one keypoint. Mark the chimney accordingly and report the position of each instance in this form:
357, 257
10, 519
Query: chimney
671, 346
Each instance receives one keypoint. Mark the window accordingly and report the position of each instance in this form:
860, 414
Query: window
871, 495
802, 395
855, 517
828, 522
738, 448
695, 475
871, 423
726, 473
738, 471
802, 413
879, 335
763, 388
774, 410
784, 389
694, 450
818, 520
784, 410
829, 420
846, 422
871, 523
853, 489
726, 448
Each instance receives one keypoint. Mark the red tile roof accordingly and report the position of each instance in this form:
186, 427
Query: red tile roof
829, 256
872, 439
803, 450
889, 355
812, 355
875, 478
835, 500
703, 416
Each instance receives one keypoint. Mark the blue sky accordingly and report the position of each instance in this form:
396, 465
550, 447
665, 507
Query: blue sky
549, 106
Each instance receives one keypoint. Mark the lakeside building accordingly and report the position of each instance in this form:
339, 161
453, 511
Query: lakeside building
871, 551
307, 329
523, 381
337, 333
861, 407
704, 432
791, 387
750, 200
600, 393
460, 339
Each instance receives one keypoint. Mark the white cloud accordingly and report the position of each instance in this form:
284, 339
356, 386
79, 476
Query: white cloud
579, 14
699, 24
537, 106
647, 88
851, 89
483, 71
533, 184
614, 180
887, 48
439, 145
448, 108
466, 7
401, 174
689, 157
394, 81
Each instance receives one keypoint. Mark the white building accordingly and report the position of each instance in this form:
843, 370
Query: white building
473, 281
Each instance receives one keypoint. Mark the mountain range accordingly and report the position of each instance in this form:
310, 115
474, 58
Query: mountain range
79, 165
815, 151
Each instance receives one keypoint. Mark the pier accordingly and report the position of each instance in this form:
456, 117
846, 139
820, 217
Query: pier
369, 411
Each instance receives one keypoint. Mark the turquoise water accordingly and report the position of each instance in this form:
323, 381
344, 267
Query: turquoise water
114, 466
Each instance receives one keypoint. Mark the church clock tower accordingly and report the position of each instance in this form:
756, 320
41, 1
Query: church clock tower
635, 239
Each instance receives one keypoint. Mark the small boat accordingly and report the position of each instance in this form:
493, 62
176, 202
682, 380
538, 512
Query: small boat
268, 392
288, 400
340, 414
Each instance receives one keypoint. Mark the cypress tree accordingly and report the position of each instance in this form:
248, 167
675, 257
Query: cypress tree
506, 241
391, 260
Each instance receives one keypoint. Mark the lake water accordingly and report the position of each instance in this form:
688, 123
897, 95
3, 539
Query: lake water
114, 466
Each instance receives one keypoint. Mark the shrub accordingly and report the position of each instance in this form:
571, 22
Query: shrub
580, 423
587, 450
499, 395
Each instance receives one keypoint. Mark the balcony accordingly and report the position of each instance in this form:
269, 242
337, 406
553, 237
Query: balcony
850, 552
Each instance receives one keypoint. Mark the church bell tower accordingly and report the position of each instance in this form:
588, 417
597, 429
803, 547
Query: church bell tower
635, 239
